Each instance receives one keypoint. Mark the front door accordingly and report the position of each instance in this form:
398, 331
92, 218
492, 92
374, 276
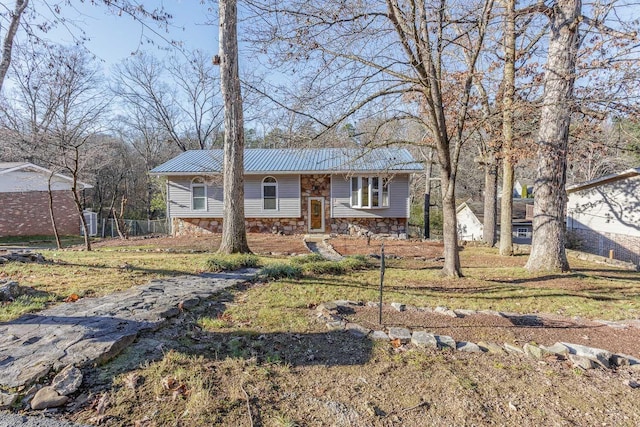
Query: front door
316, 214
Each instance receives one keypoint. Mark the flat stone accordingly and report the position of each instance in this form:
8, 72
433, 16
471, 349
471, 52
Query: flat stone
424, 339
615, 325
336, 325
468, 347
556, 349
464, 313
513, 349
624, 360
596, 354
446, 311
373, 304
532, 351
491, 347
47, 397
490, 313
582, 362
7, 399
398, 306
67, 381
445, 342
379, 336
403, 334
357, 330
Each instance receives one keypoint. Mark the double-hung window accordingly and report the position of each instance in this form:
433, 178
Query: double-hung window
369, 192
269, 194
198, 195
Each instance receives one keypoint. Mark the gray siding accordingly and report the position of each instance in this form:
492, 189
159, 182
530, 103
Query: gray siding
179, 196
398, 202
288, 198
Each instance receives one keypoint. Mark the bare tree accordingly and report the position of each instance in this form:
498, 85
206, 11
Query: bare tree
234, 235
14, 17
180, 98
352, 56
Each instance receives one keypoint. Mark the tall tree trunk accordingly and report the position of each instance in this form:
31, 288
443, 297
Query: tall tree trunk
234, 235
547, 247
490, 200
427, 193
7, 44
451, 266
506, 202
52, 215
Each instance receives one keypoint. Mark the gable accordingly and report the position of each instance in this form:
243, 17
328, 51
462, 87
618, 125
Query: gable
25, 180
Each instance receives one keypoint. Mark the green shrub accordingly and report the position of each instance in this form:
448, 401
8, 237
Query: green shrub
305, 259
324, 267
355, 262
220, 262
281, 271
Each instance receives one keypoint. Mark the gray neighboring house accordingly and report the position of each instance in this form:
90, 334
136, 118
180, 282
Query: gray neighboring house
295, 191
470, 217
603, 215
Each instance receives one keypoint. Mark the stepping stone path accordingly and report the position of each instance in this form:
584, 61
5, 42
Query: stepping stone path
94, 330
319, 245
579, 355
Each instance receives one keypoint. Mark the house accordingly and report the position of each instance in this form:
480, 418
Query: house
330, 190
24, 201
470, 217
603, 215
522, 190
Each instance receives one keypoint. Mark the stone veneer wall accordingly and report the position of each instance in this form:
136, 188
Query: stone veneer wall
27, 213
361, 226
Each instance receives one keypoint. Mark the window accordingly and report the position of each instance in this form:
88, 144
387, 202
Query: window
269, 193
522, 232
198, 195
369, 192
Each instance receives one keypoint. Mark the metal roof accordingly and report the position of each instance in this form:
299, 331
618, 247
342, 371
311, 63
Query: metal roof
603, 180
261, 160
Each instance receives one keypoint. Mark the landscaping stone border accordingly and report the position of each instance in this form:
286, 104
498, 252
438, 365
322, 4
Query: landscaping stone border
580, 356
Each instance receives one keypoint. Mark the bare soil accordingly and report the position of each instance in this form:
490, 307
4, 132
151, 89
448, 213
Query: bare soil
507, 328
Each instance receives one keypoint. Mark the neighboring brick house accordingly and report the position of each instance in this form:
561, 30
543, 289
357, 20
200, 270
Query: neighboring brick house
331, 190
24, 201
603, 215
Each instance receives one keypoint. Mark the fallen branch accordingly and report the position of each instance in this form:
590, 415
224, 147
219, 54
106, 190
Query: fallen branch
419, 405
246, 395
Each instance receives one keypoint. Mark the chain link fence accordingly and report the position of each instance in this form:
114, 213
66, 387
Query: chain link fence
135, 227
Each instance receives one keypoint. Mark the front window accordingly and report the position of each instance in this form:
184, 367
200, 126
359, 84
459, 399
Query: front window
269, 193
522, 232
198, 195
369, 192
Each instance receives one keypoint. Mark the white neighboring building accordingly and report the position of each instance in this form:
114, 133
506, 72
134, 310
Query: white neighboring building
604, 215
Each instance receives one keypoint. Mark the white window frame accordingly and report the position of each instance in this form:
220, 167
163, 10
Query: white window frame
199, 183
522, 232
370, 191
270, 184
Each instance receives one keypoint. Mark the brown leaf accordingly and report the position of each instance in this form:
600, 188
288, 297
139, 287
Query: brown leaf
396, 343
98, 419
103, 404
131, 380
169, 383
180, 391
72, 298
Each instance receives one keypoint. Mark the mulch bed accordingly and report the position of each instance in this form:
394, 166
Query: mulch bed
515, 329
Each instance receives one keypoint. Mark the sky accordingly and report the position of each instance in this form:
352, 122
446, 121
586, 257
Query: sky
114, 38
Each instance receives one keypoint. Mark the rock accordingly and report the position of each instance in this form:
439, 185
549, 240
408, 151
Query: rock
373, 304
468, 347
632, 383
491, 347
327, 306
445, 341
336, 326
596, 354
446, 311
67, 381
464, 313
615, 325
624, 360
582, 362
402, 334
10, 291
7, 399
357, 330
398, 306
379, 336
557, 350
532, 350
513, 349
47, 397
424, 339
